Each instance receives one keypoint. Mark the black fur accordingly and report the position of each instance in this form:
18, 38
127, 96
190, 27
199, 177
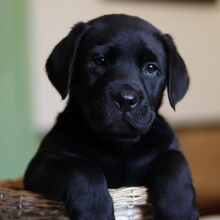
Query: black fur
115, 69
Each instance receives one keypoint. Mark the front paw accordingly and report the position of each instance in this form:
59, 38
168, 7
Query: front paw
91, 215
91, 210
96, 215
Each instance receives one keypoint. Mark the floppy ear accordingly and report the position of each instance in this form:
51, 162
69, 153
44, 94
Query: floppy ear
60, 63
177, 78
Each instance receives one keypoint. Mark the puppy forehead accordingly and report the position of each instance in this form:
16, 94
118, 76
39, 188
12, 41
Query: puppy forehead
117, 22
125, 32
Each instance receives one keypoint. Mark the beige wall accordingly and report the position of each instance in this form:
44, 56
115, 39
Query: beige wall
195, 27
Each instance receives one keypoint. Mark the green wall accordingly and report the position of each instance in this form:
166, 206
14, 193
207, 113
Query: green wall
16, 134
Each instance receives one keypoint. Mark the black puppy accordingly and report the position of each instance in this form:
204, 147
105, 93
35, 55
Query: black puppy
115, 69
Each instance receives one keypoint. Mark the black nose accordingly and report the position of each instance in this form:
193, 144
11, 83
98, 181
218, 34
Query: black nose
126, 100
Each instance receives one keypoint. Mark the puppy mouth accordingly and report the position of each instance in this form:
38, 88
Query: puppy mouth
121, 126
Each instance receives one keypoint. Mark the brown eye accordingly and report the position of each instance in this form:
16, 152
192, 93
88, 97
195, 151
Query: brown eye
150, 68
100, 61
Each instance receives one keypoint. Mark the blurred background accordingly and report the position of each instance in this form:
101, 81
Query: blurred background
29, 104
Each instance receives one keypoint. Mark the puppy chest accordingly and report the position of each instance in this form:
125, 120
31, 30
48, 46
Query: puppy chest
126, 171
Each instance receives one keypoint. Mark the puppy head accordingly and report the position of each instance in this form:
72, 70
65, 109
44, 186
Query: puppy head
118, 67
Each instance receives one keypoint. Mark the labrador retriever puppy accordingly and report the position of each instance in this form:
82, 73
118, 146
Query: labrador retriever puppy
115, 69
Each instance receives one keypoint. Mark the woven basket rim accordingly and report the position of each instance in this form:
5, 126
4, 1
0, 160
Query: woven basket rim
13, 198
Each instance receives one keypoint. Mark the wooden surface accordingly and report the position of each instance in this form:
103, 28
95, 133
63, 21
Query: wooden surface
202, 149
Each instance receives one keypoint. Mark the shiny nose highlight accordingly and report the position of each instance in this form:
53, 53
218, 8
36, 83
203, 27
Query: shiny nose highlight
125, 100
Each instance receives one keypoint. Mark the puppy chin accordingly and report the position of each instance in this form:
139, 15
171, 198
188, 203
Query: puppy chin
119, 131
120, 127
119, 138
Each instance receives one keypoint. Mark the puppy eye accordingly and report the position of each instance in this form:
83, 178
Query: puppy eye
100, 61
151, 68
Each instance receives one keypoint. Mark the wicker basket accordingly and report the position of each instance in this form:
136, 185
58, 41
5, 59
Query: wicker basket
130, 203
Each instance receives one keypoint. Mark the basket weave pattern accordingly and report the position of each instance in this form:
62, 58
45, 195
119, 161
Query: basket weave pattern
130, 203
